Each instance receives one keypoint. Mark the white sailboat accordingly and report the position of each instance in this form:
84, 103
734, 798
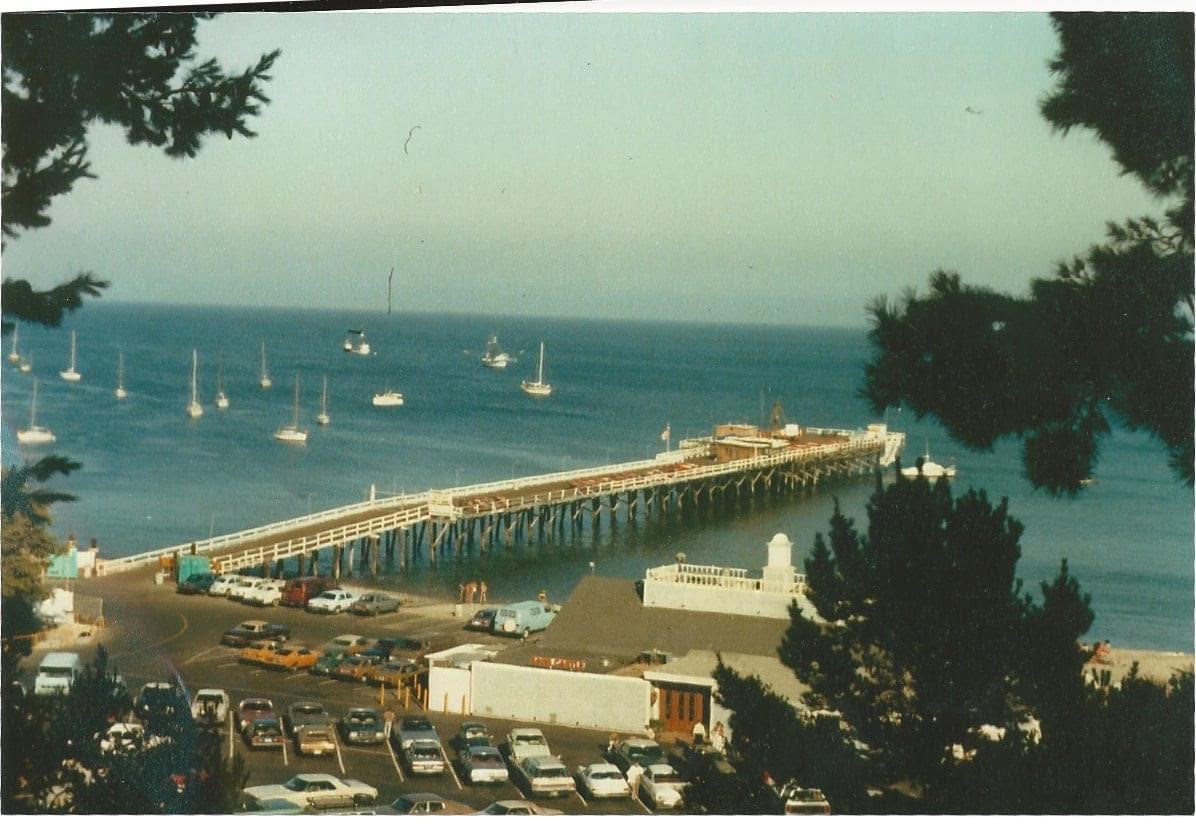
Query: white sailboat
930, 469
322, 418
35, 434
221, 399
495, 357
292, 433
27, 363
538, 387
265, 381
388, 399
194, 409
120, 392
13, 356
71, 374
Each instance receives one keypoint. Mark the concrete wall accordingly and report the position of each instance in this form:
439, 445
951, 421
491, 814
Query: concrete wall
448, 689
709, 599
533, 694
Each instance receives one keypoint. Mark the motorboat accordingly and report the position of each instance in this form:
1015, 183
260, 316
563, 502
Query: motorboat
194, 409
27, 363
495, 357
35, 434
71, 374
388, 399
537, 387
361, 347
292, 433
120, 392
264, 381
322, 418
930, 469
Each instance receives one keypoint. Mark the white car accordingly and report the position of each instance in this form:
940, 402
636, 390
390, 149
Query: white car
266, 593
331, 600
223, 584
545, 776
602, 780
482, 764
661, 786
210, 706
316, 788
245, 584
126, 738
525, 742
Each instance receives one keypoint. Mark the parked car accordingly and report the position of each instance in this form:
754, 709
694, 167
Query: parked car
158, 700
424, 756
516, 807
57, 674
247, 631
472, 734
544, 776
482, 765
661, 786
602, 780
362, 726
644, 751
255, 708
326, 663
392, 673
210, 707
298, 591
374, 603
522, 618
353, 668
223, 584
348, 643
525, 742
482, 621
259, 652
263, 732
315, 740
197, 583
266, 593
244, 584
331, 601
412, 728
126, 739
308, 788
267, 807
302, 714
408, 647
292, 657
798, 800
422, 804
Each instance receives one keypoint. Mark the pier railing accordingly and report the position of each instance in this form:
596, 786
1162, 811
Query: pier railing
717, 577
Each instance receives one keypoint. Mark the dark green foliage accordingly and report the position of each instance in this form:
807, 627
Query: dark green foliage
1110, 334
19, 497
178, 770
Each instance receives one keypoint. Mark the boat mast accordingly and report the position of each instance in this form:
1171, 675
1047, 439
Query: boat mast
194, 362
295, 422
33, 409
540, 373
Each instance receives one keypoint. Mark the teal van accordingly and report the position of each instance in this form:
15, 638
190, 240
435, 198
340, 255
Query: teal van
521, 618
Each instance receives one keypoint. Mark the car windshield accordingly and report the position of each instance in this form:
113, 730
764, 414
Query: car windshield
552, 772
208, 698
530, 739
665, 777
362, 717
295, 784
328, 595
257, 704
486, 754
606, 774
645, 755
55, 671
313, 709
404, 805
416, 724
265, 726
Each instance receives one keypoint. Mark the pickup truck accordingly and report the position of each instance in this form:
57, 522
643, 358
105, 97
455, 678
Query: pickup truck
248, 631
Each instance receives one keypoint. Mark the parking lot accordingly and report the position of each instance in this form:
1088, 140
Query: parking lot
156, 634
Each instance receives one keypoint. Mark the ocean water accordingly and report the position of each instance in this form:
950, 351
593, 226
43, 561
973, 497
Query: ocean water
151, 477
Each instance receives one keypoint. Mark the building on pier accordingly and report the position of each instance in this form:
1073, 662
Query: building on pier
615, 660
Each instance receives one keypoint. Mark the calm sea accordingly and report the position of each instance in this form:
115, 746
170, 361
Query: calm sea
151, 477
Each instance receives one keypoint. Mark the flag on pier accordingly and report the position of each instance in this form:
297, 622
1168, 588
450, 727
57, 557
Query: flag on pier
666, 434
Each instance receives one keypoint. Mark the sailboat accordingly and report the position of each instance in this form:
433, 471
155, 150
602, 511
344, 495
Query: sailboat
292, 433
13, 356
27, 363
322, 418
194, 409
34, 434
121, 393
538, 388
362, 348
221, 399
265, 380
71, 374
495, 357
930, 469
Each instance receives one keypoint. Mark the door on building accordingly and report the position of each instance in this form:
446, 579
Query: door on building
681, 707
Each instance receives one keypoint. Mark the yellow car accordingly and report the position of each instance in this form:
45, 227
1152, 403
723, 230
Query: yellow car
392, 673
260, 652
292, 657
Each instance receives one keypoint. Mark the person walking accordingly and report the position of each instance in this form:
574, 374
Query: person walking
633, 778
699, 733
388, 722
718, 738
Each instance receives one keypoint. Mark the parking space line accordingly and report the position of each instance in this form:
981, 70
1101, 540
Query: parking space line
293, 676
337, 744
230, 734
284, 751
327, 681
228, 664
452, 770
203, 653
398, 770
582, 798
348, 748
640, 801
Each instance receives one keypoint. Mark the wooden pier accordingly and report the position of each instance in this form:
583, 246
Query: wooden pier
466, 519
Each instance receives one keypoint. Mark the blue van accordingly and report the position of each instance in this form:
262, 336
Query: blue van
521, 618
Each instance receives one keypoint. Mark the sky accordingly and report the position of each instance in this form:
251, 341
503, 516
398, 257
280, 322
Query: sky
783, 168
